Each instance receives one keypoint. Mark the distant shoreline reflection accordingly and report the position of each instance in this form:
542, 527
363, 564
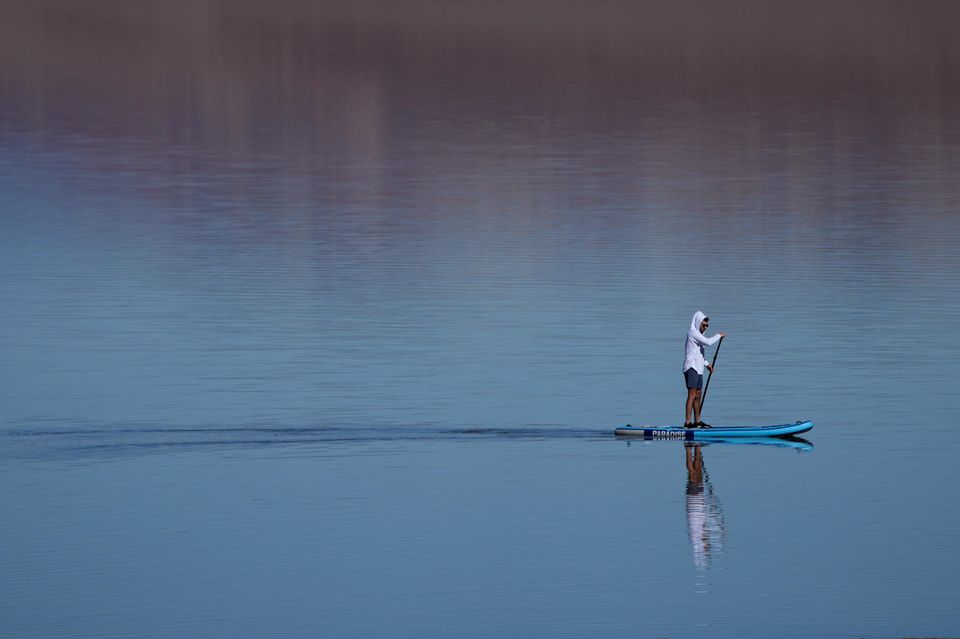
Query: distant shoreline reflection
705, 525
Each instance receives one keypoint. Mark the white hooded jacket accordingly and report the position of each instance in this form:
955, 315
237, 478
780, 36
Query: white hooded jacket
696, 341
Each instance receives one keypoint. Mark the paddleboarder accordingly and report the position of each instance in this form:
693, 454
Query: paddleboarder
693, 363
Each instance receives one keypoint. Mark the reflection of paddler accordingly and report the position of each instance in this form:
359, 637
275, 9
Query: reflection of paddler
704, 513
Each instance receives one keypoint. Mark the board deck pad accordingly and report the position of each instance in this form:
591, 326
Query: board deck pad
690, 434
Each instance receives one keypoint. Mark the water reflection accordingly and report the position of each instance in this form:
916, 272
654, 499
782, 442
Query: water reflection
705, 523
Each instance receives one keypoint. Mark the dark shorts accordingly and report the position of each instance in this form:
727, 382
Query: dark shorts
693, 378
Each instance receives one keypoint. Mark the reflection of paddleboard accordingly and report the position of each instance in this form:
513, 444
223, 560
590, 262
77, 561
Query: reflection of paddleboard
790, 441
717, 432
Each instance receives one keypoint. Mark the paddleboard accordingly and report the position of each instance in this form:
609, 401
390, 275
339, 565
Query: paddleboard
717, 432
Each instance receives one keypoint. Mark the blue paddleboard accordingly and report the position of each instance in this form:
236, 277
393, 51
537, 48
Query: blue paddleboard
724, 432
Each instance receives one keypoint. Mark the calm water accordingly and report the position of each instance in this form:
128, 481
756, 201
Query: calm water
318, 318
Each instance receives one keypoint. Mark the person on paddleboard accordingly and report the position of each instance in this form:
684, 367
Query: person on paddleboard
693, 363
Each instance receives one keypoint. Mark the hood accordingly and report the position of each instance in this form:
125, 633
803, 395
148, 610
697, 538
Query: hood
698, 317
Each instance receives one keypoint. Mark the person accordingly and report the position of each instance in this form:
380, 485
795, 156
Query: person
693, 363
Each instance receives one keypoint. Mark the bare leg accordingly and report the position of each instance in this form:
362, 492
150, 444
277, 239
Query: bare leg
696, 404
693, 404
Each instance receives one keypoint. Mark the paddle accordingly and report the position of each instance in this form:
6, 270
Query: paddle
717, 352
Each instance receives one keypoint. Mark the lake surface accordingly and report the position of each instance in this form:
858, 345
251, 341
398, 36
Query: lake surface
318, 318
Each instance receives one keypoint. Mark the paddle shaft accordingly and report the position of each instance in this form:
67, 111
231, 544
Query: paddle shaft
717, 352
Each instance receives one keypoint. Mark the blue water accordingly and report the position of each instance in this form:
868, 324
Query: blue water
318, 319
